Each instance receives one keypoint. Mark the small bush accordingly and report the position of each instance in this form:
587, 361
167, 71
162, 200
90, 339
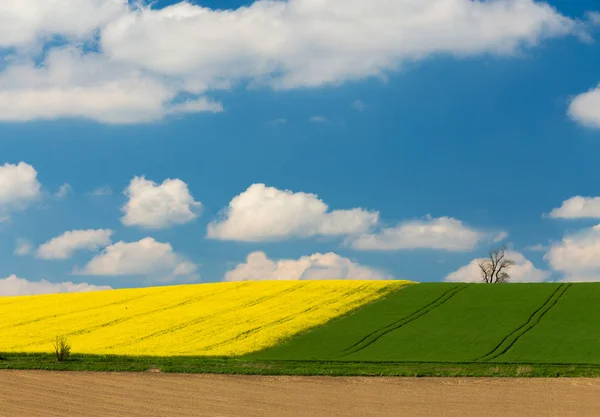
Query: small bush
62, 348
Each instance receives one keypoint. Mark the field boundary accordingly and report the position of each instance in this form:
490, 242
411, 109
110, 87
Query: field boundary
240, 366
379, 333
509, 340
191, 322
284, 319
8, 357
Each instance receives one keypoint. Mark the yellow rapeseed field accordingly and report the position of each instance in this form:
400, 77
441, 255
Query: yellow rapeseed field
202, 319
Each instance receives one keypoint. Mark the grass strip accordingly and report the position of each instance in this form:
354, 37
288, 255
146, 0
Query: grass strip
299, 368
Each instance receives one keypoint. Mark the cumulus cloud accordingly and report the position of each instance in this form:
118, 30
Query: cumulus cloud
577, 207
23, 22
522, 271
197, 105
19, 187
155, 260
444, 233
155, 206
65, 245
302, 43
585, 108
73, 84
13, 285
258, 267
18, 183
577, 255
23, 247
139, 59
264, 213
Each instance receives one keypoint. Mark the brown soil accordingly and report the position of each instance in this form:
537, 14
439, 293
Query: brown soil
43, 393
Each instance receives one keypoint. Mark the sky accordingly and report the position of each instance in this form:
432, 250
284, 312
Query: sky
181, 142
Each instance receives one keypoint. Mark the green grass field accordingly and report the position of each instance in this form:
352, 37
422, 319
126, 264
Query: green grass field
568, 333
430, 329
440, 322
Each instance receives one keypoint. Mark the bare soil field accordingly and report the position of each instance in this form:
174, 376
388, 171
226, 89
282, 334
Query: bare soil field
48, 393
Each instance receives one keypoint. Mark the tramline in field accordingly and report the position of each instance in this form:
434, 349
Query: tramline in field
203, 319
478, 323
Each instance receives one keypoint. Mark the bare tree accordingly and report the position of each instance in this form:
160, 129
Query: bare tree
494, 269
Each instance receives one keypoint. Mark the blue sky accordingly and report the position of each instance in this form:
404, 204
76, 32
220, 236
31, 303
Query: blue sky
488, 138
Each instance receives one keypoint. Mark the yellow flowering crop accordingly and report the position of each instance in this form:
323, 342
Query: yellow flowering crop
204, 319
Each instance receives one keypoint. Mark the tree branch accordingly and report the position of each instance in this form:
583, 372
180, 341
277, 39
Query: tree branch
494, 269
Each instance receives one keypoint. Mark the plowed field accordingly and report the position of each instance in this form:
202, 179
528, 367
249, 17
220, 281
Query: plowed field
90, 394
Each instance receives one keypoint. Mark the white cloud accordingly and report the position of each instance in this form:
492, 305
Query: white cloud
444, 233
358, 105
198, 105
155, 260
317, 119
24, 22
18, 183
65, 245
18, 187
23, 247
71, 84
156, 206
258, 267
311, 43
13, 285
522, 271
145, 58
64, 190
585, 108
264, 213
101, 191
577, 207
577, 256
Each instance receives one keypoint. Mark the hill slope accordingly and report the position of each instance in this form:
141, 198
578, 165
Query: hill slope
204, 319
315, 328
441, 322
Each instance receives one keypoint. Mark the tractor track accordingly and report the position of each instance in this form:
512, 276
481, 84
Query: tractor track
379, 333
509, 340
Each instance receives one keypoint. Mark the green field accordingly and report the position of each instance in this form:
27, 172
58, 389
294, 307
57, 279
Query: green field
429, 329
440, 322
